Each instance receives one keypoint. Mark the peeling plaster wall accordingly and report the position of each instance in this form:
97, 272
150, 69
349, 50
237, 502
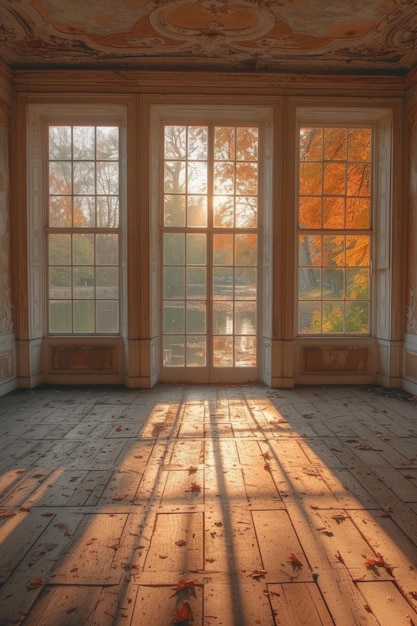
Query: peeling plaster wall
7, 342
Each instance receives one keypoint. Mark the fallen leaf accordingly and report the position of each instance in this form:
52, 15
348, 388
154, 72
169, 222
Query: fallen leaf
180, 543
267, 467
192, 469
4, 515
295, 561
182, 614
118, 429
34, 583
266, 455
268, 593
195, 487
387, 512
26, 509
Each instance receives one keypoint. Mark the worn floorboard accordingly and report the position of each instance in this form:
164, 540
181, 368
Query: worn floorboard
208, 506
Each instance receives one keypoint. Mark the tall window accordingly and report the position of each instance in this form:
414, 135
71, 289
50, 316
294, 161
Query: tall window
210, 246
334, 230
83, 229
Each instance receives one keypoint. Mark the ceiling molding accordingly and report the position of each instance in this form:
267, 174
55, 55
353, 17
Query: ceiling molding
327, 37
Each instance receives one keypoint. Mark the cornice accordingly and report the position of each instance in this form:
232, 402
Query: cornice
201, 83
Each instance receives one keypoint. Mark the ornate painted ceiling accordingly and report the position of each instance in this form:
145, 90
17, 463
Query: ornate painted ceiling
318, 36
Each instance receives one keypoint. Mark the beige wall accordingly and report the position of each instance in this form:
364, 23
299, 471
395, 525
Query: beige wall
410, 349
7, 349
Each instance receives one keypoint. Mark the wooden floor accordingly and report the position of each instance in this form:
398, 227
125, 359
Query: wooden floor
214, 506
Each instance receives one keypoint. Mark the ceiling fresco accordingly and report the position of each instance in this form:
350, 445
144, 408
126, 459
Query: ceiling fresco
322, 36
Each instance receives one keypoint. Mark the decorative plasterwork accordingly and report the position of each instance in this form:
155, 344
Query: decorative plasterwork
376, 36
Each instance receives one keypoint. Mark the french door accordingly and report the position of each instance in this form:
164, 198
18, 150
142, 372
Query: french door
209, 241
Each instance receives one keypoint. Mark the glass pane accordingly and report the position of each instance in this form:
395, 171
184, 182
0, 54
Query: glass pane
174, 286
310, 179
357, 284
333, 317
83, 283
60, 211
310, 252
107, 178
309, 214
84, 178
334, 212
59, 282
309, 317
246, 144
246, 212
197, 177
83, 249
107, 312
357, 250
333, 284
245, 249
174, 248
223, 318
174, 351
60, 316
223, 249
174, 210
107, 143
359, 180
358, 213
334, 178
246, 178
59, 249
174, 179
196, 317
175, 142
60, 177
224, 211
311, 144
174, 317
335, 144
223, 351
107, 283
359, 144
84, 316
197, 142
223, 283
107, 212
333, 250
197, 211
196, 248
60, 142
245, 283
224, 178
84, 143
84, 211
224, 143
196, 351
245, 316
357, 317
309, 283
107, 249
196, 282
245, 352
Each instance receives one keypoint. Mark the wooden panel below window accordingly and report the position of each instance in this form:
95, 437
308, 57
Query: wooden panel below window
335, 359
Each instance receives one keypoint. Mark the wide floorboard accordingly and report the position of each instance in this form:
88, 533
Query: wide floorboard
208, 506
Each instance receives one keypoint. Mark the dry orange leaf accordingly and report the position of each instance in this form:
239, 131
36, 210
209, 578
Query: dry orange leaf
25, 508
183, 584
195, 487
180, 542
34, 583
294, 560
182, 614
192, 469
258, 573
